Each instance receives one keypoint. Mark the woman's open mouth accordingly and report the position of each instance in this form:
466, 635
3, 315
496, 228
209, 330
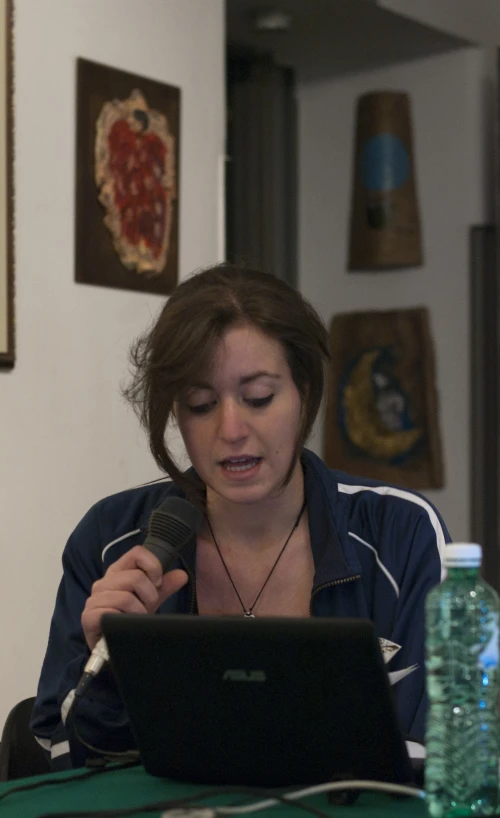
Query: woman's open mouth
240, 465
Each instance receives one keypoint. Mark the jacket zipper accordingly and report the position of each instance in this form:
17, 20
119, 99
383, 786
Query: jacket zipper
318, 589
329, 585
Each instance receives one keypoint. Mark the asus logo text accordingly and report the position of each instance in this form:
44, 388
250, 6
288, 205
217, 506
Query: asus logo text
238, 675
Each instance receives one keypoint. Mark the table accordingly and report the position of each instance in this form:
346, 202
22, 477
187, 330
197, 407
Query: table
125, 788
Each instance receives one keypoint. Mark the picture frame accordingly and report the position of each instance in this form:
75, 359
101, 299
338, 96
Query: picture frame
484, 291
485, 397
127, 180
381, 416
7, 318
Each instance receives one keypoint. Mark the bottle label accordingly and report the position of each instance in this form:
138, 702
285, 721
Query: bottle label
488, 656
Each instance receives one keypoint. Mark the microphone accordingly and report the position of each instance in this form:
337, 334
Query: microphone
171, 527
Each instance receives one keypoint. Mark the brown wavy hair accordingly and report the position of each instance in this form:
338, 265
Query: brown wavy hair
179, 350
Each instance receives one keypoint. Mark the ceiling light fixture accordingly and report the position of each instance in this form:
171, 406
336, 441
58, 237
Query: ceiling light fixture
272, 20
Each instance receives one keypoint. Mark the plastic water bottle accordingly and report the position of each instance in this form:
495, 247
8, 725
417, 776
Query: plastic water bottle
462, 734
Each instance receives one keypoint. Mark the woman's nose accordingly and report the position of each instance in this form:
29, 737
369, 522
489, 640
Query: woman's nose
232, 423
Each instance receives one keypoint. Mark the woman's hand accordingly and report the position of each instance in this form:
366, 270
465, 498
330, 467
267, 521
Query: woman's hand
133, 584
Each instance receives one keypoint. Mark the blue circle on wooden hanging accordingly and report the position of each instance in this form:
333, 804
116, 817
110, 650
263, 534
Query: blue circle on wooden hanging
385, 163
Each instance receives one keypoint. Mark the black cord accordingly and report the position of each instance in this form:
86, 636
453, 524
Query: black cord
54, 779
249, 611
179, 803
108, 755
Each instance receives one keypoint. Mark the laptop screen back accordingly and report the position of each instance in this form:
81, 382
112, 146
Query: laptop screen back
264, 702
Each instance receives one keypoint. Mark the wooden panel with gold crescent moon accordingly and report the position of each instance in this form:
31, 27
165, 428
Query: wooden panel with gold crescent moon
382, 417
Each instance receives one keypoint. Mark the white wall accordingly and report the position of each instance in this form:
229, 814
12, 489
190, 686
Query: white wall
66, 438
447, 100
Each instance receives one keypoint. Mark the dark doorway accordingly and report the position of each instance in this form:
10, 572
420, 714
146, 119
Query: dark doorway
261, 186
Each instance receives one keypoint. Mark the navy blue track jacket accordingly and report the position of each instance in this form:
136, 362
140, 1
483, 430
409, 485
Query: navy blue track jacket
377, 551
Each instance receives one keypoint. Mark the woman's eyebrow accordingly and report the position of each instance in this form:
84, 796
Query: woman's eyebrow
244, 380
199, 385
262, 374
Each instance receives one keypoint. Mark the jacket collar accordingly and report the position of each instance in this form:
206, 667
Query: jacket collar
334, 555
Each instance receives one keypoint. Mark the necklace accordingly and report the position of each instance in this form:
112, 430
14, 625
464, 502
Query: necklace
248, 612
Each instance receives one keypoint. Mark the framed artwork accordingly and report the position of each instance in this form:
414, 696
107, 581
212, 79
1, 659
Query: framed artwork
7, 347
485, 397
385, 230
381, 416
127, 180
484, 289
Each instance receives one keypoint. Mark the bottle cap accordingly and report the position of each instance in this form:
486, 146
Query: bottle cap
463, 555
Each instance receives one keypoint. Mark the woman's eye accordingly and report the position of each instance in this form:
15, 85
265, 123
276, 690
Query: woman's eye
258, 403
200, 408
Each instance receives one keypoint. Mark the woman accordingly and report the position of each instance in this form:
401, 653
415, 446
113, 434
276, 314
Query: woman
237, 360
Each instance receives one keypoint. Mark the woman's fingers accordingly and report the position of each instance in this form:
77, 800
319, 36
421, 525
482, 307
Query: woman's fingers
133, 584
133, 580
172, 582
139, 557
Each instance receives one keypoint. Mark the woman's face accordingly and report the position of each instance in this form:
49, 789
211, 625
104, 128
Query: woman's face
240, 426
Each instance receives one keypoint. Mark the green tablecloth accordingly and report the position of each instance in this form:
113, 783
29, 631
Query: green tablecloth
133, 787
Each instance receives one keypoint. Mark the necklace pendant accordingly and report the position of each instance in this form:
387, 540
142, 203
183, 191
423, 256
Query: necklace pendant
247, 614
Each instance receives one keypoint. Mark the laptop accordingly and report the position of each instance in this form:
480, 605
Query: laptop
265, 702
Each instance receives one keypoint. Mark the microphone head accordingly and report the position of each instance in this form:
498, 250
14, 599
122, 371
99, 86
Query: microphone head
171, 527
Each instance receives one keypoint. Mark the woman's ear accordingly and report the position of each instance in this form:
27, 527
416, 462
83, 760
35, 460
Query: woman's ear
304, 402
